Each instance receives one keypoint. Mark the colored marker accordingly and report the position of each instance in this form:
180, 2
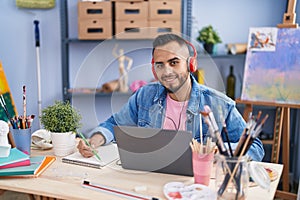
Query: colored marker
87, 143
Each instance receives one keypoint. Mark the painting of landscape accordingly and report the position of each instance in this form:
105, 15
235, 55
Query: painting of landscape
274, 76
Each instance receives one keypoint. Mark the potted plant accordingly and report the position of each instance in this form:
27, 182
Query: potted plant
62, 121
209, 37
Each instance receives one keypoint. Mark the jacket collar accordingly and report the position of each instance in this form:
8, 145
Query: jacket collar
194, 101
195, 97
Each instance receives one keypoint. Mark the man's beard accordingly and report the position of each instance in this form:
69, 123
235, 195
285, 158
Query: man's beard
174, 89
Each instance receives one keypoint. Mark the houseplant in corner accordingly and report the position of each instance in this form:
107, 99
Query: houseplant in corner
62, 121
209, 37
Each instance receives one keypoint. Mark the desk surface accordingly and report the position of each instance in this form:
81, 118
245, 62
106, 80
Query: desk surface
63, 181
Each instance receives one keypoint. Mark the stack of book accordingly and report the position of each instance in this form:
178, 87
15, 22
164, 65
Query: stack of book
19, 164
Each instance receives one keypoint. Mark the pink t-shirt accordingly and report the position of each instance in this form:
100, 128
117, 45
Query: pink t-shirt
175, 114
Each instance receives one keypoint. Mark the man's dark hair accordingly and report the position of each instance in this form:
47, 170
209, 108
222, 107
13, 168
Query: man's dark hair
166, 38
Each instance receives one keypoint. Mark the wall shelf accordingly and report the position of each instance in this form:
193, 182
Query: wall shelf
66, 41
230, 56
95, 92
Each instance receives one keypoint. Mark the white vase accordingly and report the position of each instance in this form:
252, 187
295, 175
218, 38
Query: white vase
63, 143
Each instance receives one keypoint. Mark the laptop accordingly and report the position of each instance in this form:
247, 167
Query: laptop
155, 150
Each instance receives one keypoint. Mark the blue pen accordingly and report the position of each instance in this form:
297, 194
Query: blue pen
87, 143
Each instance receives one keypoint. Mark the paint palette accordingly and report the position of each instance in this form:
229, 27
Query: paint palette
178, 190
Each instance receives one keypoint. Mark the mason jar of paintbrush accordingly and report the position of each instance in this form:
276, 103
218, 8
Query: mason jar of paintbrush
232, 177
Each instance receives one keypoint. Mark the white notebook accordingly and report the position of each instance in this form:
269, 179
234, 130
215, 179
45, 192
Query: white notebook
107, 153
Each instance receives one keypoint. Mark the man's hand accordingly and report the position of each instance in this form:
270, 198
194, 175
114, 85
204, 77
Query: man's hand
96, 140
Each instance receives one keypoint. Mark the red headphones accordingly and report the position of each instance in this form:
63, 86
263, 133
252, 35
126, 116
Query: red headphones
192, 61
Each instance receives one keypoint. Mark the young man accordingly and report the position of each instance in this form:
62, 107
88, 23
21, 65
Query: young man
174, 101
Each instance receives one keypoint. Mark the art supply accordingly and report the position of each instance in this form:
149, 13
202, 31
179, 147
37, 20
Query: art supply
202, 166
179, 190
109, 153
15, 158
19, 122
224, 130
3, 104
237, 187
256, 132
202, 159
115, 191
22, 138
253, 132
214, 130
87, 143
38, 164
200, 128
24, 107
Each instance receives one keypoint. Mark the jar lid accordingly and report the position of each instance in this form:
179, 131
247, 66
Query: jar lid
260, 176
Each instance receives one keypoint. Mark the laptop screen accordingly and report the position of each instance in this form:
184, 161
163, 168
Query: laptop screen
155, 150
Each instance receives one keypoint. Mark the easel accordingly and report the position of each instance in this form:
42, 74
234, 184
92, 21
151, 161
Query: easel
289, 18
281, 131
282, 118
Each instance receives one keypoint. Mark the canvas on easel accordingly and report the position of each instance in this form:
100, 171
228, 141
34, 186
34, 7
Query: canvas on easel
272, 78
9, 102
272, 66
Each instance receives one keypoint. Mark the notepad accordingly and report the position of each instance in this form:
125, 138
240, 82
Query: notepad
38, 165
16, 158
107, 153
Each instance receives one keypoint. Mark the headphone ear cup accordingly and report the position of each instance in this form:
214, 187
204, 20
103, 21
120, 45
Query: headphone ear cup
153, 69
192, 64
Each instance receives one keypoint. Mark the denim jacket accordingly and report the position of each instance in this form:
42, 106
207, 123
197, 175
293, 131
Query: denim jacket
147, 107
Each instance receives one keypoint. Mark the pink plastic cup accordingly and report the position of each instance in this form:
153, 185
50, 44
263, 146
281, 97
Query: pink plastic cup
202, 166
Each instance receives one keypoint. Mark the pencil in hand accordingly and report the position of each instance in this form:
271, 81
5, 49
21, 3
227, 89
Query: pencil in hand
87, 143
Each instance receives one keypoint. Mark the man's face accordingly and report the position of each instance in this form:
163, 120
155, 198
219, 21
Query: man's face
170, 64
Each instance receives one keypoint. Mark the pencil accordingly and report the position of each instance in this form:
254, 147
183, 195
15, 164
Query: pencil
87, 143
24, 107
200, 128
116, 191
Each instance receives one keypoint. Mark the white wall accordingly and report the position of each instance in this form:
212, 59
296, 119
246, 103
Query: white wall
18, 54
231, 18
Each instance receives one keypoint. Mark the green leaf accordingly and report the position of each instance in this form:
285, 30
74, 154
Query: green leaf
61, 117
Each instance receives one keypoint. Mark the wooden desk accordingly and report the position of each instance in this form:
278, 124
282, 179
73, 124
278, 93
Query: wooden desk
63, 181
281, 131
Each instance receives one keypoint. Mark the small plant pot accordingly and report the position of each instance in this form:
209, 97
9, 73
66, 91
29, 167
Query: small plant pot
63, 143
209, 48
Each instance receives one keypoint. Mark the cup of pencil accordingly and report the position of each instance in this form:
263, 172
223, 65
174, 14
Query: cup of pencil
20, 125
203, 157
21, 132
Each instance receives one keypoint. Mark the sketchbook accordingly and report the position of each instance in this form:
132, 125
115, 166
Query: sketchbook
108, 154
38, 165
16, 158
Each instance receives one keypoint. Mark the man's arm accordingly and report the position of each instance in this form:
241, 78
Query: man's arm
126, 116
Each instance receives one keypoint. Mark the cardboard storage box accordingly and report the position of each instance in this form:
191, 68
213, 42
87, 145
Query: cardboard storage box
132, 29
94, 10
164, 26
165, 9
131, 10
94, 29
